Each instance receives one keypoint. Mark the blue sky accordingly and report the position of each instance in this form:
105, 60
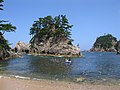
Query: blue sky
91, 18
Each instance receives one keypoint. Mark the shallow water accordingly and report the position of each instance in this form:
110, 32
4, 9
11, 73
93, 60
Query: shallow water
94, 67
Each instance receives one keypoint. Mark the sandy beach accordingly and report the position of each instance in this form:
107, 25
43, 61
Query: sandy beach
19, 84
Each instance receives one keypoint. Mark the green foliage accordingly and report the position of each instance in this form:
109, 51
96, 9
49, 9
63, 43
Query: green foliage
1, 5
3, 43
105, 41
49, 26
4, 27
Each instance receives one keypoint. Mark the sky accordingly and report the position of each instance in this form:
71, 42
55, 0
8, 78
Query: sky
90, 18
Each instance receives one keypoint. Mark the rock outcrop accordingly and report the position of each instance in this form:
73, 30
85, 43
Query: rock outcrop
21, 47
105, 43
54, 46
118, 47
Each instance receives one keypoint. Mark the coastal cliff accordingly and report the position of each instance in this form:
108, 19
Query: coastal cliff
4, 47
5, 50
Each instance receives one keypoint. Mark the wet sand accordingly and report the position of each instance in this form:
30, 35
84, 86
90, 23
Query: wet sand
19, 84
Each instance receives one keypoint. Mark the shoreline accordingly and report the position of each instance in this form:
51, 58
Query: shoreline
20, 84
52, 55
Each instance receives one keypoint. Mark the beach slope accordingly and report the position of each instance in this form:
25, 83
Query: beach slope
18, 84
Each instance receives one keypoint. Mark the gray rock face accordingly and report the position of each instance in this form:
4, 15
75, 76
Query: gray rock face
4, 54
63, 49
112, 49
21, 47
55, 46
5, 50
118, 47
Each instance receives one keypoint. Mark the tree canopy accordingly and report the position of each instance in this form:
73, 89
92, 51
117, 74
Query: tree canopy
49, 26
105, 41
6, 27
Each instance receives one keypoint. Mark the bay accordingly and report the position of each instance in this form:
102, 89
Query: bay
94, 67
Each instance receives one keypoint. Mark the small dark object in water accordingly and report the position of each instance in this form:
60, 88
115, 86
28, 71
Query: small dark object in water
68, 61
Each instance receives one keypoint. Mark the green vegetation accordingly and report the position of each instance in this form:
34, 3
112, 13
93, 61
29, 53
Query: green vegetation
3, 43
1, 5
51, 27
4, 27
105, 41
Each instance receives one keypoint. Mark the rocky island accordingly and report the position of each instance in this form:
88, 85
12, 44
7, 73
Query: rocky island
106, 43
51, 36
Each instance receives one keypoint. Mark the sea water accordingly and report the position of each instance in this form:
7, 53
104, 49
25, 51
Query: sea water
94, 67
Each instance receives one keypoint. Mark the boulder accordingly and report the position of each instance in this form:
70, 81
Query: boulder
80, 79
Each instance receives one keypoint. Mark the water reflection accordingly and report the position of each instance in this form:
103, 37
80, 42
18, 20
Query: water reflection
49, 66
3, 65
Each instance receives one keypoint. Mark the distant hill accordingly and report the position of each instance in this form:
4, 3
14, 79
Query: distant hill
105, 43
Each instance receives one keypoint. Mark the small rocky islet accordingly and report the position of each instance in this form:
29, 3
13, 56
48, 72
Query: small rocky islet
106, 43
50, 38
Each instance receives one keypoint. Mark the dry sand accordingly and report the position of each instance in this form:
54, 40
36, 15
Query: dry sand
18, 84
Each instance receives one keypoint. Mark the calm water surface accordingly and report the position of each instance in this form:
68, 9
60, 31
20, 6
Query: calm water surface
94, 66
